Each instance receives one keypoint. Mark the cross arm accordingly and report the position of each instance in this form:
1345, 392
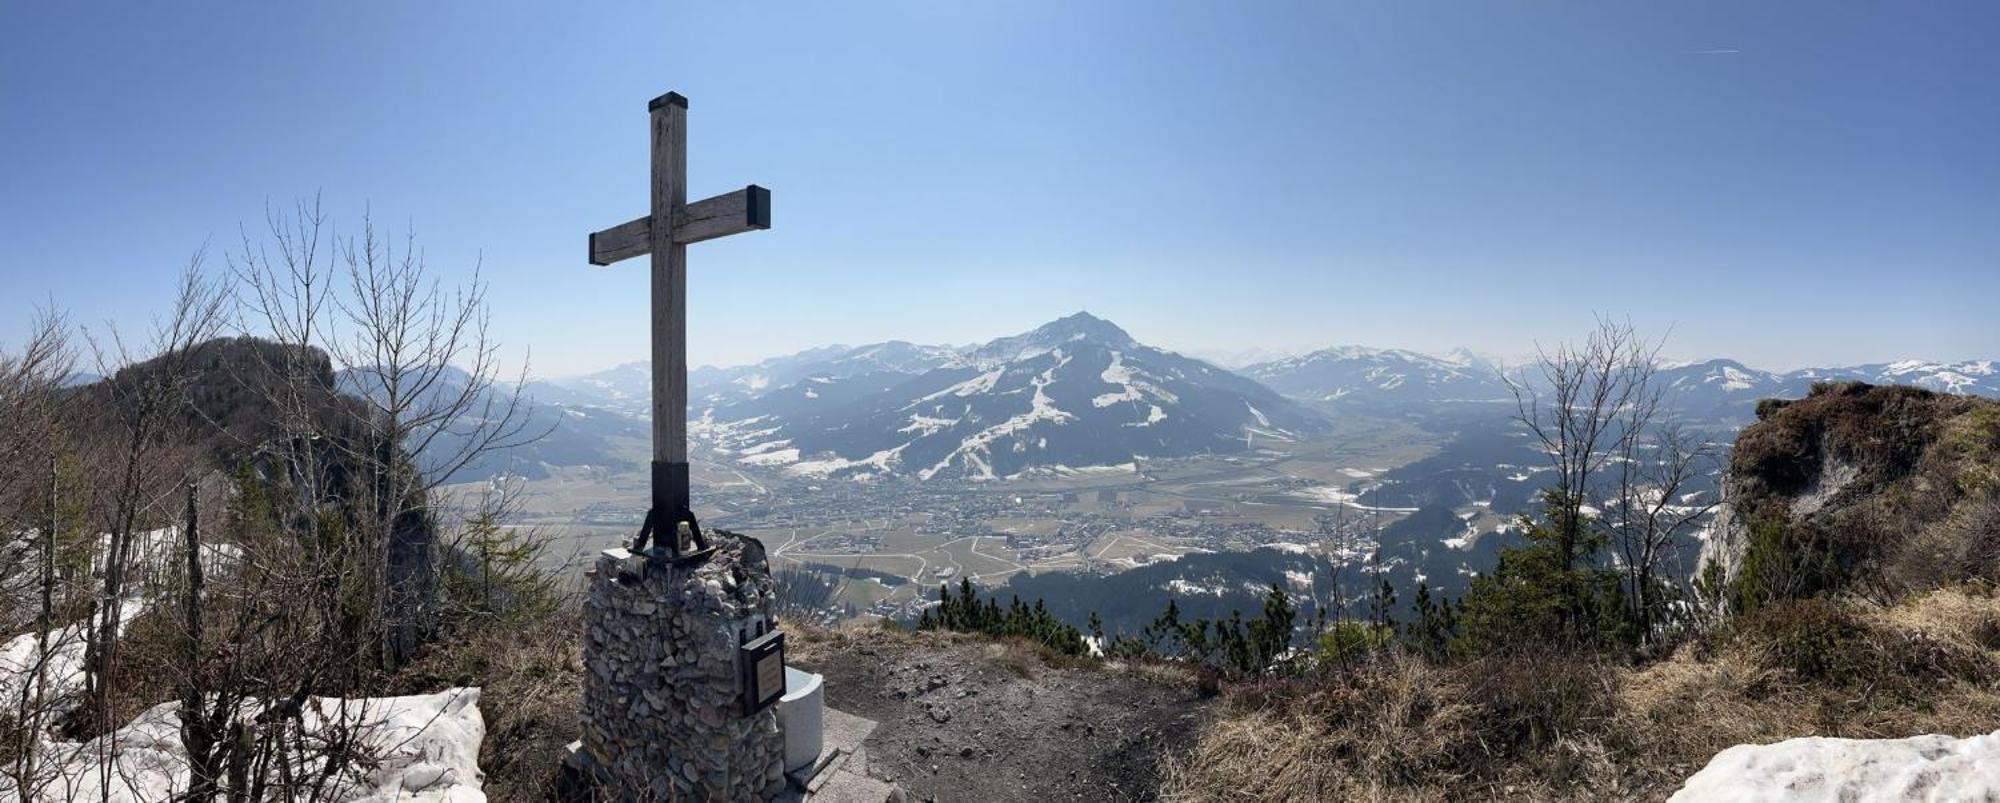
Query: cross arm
747, 209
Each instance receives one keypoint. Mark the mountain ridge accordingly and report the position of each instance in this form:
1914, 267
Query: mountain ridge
1075, 394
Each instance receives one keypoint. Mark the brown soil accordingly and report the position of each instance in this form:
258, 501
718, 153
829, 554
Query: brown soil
966, 719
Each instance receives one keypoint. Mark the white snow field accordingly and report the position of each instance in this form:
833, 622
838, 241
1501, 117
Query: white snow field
1920, 768
418, 748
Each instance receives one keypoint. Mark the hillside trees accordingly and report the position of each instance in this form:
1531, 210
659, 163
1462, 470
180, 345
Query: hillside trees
966, 613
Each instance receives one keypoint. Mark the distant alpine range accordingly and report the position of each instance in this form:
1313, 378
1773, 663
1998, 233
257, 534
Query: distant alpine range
1716, 390
1079, 394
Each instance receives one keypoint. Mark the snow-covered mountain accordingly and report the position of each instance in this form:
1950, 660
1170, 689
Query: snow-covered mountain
1726, 390
1076, 394
1359, 374
628, 388
1079, 394
551, 426
1722, 390
1972, 377
833, 362
1718, 390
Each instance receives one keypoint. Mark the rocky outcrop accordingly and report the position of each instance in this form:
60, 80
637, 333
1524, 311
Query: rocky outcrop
1889, 489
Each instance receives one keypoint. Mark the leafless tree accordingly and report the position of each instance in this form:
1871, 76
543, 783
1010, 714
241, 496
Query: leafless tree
146, 394
1577, 408
1650, 509
421, 357
29, 380
31, 445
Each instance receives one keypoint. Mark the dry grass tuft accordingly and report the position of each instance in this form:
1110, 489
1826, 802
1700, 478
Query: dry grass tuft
1548, 726
1968, 616
1402, 729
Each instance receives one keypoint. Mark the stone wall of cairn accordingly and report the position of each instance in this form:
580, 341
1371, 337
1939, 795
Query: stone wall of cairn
661, 712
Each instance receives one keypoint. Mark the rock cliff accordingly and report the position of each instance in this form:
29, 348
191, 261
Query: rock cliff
1874, 489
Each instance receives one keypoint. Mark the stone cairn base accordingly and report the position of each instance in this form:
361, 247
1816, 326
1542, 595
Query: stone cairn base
662, 717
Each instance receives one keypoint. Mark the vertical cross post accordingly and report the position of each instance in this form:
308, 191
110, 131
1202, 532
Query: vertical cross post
671, 499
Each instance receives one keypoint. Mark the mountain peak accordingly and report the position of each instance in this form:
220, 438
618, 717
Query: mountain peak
1082, 326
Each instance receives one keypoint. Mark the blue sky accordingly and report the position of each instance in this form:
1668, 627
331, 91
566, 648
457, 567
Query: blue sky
1785, 183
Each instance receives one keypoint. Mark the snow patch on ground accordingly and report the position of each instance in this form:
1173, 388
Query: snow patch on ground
974, 450
1185, 587
1129, 388
922, 425
1337, 496
1120, 468
1931, 767
421, 748
774, 457
1733, 379
1255, 413
1156, 415
417, 748
52, 671
883, 462
982, 383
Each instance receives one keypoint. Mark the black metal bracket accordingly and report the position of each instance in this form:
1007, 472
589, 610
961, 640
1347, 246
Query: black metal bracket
670, 493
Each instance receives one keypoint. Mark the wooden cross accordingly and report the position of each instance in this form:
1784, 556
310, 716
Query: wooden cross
665, 235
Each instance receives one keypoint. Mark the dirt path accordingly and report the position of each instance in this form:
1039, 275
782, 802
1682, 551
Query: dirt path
965, 719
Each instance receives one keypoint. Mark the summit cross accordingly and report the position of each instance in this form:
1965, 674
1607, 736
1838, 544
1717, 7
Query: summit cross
665, 234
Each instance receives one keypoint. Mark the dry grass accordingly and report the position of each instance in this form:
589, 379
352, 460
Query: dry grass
1544, 727
1520, 727
531, 680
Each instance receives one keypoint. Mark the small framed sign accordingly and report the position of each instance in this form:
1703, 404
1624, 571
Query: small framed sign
763, 671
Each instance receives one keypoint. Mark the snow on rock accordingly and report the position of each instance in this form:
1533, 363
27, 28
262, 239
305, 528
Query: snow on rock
422, 748
1920, 768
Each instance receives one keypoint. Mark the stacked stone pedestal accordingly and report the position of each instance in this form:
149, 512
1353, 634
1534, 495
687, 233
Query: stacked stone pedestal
662, 711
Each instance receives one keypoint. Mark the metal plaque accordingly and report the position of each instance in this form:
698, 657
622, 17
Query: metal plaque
763, 671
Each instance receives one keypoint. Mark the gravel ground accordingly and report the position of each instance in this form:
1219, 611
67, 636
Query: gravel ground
967, 719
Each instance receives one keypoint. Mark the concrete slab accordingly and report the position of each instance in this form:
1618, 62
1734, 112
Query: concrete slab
847, 787
847, 731
841, 773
